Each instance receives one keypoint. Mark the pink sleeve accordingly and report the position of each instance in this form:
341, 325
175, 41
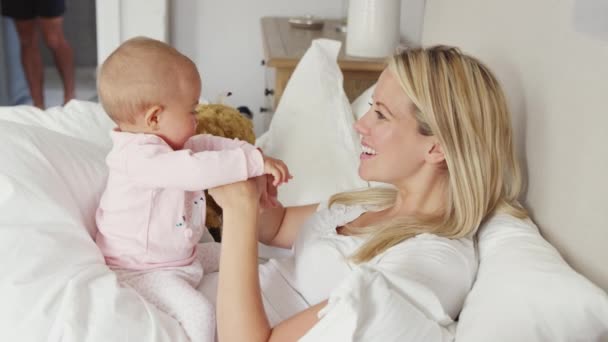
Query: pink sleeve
208, 142
157, 166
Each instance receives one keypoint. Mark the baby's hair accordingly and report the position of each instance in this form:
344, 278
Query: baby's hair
138, 75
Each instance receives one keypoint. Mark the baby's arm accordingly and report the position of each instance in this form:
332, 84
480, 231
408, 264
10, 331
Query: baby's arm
155, 166
208, 142
272, 166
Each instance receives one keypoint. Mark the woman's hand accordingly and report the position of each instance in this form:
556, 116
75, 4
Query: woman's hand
244, 194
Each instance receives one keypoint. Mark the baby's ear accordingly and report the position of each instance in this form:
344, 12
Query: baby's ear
151, 117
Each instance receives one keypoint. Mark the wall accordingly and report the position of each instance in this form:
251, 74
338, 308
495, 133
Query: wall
119, 20
554, 66
227, 44
224, 42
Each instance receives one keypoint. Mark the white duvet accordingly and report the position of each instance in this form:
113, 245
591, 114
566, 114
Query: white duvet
55, 285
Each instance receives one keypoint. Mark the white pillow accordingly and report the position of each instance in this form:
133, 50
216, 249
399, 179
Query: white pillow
312, 130
79, 119
55, 284
525, 291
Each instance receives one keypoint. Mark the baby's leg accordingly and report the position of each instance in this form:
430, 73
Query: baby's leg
172, 291
209, 256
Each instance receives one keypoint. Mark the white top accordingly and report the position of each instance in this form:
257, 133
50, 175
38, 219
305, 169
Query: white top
444, 268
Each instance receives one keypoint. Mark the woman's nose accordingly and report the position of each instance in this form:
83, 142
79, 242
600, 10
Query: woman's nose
360, 126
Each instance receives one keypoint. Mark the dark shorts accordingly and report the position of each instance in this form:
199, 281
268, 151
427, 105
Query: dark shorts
30, 9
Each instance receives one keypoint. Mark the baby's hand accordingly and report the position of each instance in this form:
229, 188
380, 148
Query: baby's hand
268, 192
277, 169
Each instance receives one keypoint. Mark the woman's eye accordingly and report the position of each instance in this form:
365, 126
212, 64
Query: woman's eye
380, 115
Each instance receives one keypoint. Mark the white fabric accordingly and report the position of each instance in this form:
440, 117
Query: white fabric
79, 119
55, 285
311, 130
373, 306
429, 275
174, 291
525, 291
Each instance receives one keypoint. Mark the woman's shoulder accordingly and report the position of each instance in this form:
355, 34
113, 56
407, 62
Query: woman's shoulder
330, 216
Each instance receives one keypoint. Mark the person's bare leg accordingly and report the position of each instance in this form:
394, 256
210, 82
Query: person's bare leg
31, 59
52, 30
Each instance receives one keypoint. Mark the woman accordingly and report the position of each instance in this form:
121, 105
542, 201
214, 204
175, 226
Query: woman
438, 130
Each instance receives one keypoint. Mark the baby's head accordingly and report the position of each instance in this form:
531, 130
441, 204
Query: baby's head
147, 86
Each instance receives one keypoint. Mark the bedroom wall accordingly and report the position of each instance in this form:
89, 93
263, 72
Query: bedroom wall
226, 43
222, 37
552, 58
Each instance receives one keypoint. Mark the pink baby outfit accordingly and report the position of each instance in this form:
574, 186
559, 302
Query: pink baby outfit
152, 213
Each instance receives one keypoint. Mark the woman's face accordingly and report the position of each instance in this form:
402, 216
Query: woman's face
393, 150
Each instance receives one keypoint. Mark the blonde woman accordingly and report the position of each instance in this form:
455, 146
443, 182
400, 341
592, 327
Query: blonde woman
438, 130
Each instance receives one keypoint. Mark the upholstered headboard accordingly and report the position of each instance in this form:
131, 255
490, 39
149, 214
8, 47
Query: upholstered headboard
552, 59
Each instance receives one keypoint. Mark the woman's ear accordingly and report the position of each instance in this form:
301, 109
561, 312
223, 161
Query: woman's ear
435, 154
152, 117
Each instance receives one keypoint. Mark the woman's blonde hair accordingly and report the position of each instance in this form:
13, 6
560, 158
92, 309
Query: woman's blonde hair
460, 102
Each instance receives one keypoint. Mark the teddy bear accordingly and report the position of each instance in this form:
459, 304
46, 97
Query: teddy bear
223, 121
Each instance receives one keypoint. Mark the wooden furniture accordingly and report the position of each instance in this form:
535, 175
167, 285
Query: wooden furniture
285, 45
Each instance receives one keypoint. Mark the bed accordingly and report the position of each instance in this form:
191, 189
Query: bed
56, 287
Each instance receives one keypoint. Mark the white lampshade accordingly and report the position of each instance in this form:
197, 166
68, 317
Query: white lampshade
373, 27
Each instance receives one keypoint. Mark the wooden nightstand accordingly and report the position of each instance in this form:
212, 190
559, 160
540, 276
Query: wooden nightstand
285, 45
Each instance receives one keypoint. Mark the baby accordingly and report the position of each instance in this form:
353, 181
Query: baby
151, 215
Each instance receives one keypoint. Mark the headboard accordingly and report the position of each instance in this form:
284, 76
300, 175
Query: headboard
554, 68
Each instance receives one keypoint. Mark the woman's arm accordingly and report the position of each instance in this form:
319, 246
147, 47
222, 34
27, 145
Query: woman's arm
279, 226
240, 312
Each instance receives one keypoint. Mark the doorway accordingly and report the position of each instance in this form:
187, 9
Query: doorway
79, 25
80, 31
